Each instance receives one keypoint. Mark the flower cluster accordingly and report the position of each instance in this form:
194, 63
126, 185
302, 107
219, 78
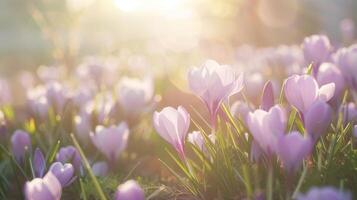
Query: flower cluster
299, 120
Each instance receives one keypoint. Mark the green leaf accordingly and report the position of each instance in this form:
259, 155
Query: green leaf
51, 156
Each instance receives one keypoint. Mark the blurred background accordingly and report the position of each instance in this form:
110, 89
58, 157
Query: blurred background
60, 32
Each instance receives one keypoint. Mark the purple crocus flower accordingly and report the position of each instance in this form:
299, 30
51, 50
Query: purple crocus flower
63, 172
302, 91
213, 83
56, 95
21, 143
267, 97
196, 138
39, 163
330, 73
100, 168
82, 124
349, 112
172, 125
69, 154
134, 94
292, 148
240, 109
111, 141
267, 127
325, 193
317, 49
37, 101
346, 59
130, 190
46, 188
255, 152
317, 119
253, 85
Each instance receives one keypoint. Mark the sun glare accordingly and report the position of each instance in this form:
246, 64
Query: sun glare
152, 6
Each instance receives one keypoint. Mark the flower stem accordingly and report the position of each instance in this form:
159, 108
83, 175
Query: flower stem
269, 192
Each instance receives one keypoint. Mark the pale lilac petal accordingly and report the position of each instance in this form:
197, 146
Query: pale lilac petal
327, 91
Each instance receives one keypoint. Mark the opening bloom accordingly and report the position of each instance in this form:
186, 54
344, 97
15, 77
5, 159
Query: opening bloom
330, 73
292, 148
172, 125
63, 172
317, 49
267, 127
69, 154
213, 83
317, 119
46, 188
346, 60
301, 91
111, 141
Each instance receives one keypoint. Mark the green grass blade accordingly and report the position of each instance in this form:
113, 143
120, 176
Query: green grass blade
89, 169
51, 156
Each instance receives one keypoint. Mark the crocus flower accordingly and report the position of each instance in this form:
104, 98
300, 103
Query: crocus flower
39, 163
317, 49
69, 154
172, 125
349, 112
268, 96
346, 59
196, 138
292, 148
21, 143
63, 172
330, 73
267, 127
317, 119
56, 95
240, 109
213, 83
325, 193
100, 168
134, 94
255, 152
102, 106
46, 188
82, 124
130, 190
37, 101
254, 84
111, 141
302, 91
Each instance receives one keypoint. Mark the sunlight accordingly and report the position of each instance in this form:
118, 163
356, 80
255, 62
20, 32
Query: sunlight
151, 6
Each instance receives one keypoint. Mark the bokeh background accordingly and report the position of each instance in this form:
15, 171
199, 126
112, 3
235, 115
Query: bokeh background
152, 33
